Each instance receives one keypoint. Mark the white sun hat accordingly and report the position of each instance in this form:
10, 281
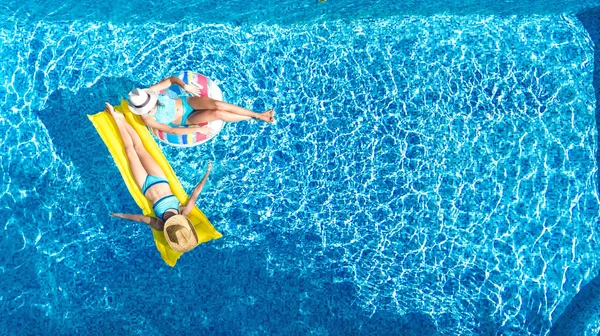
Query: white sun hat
142, 101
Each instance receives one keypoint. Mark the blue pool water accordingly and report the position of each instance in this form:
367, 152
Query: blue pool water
427, 175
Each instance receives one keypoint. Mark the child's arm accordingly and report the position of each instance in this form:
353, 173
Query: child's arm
197, 190
155, 223
150, 121
165, 83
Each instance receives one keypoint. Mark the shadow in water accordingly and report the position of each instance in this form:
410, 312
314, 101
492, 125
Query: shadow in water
77, 141
584, 308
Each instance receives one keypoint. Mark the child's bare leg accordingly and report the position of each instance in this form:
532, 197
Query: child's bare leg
147, 161
206, 103
203, 116
137, 168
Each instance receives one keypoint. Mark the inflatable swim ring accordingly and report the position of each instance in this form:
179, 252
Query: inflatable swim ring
207, 88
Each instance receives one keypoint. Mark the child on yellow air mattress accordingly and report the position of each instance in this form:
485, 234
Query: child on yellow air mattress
171, 216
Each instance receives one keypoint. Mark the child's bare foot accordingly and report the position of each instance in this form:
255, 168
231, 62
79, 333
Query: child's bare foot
110, 109
267, 116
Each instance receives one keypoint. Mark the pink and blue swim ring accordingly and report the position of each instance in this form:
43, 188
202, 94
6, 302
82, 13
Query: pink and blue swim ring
207, 88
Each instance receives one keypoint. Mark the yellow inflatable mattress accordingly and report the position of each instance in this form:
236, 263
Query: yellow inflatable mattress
107, 129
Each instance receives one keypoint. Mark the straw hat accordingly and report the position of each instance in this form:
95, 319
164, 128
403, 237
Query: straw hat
142, 101
180, 233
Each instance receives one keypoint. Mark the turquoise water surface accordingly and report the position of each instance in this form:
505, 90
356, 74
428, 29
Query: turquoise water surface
427, 175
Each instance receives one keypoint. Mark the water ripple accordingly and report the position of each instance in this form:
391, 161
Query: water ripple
442, 164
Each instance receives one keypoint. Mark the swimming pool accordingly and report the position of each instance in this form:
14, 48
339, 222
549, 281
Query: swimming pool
427, 174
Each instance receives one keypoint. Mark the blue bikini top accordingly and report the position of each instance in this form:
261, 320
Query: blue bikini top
166, 203
165, 111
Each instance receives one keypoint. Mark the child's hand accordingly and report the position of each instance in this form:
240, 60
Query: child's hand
192, 89
205, 130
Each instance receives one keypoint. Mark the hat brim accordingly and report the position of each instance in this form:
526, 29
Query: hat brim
185, 223
148, 107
